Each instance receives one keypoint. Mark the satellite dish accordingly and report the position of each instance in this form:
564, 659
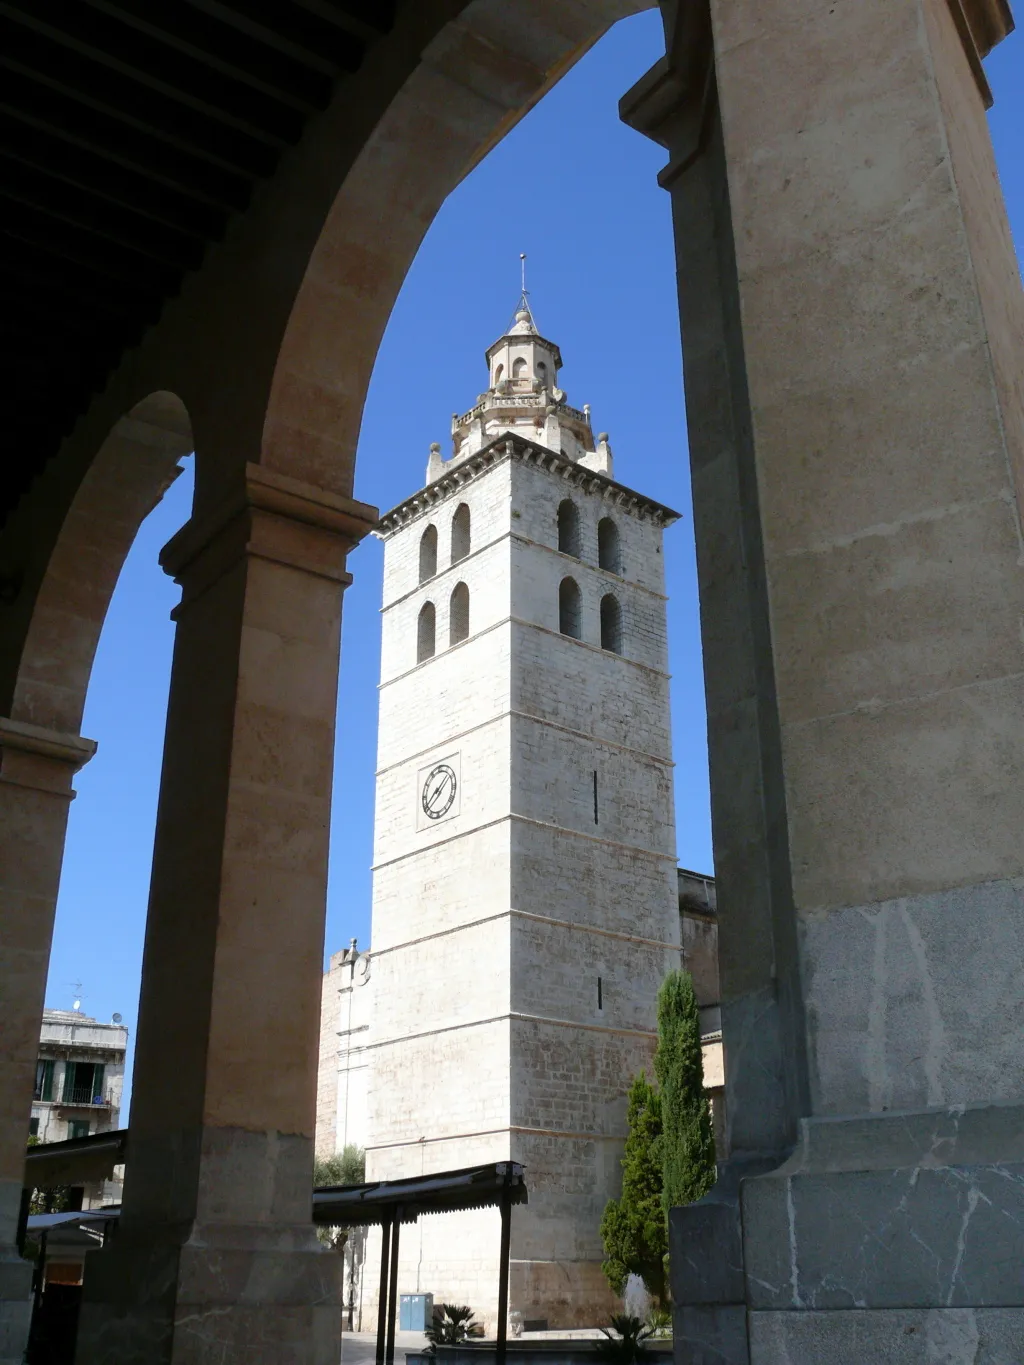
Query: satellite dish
115, 1018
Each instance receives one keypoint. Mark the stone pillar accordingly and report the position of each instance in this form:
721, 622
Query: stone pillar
853, 337
216, 1259
36, 768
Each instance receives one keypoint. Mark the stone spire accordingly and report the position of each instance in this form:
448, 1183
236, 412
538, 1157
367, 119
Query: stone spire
524, 398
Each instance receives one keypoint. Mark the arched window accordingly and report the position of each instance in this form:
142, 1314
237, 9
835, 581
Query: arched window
425, 633
498, 374
542, 373
458, 614
569, 528
518, 368
608, 545
570, 608
460, 533
428, 553
611, 624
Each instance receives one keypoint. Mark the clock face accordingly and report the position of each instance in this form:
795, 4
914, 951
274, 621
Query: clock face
439, 791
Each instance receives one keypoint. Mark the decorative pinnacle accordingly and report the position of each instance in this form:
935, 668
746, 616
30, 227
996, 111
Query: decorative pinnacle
523, 306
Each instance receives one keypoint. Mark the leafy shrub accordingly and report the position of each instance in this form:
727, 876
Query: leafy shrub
450, 1324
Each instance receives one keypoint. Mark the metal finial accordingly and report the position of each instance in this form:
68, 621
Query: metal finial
522, 260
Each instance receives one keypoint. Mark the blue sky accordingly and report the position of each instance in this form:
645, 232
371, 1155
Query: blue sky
575, 190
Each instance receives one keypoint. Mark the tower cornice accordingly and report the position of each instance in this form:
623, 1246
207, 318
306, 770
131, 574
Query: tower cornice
509, 447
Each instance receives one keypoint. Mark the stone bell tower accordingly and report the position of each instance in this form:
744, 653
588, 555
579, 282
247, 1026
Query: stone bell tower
524, 903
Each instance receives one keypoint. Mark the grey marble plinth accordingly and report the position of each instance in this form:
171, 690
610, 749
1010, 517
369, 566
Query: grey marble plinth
897, 1336
896, 1237
212, 1301
15, 1280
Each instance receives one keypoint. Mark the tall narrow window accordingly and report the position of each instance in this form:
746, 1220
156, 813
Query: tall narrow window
428, 553
600, 994
44, 1080
611, 624
458, 614
608, 545
460, 533
570, 609
83, 1083
425, 633
595, 796
569, 528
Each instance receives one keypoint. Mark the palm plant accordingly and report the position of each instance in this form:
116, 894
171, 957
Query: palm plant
450, 1324
626, 1347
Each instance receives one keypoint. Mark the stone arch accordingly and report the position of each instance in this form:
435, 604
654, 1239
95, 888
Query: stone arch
570, 609
460, 532
568, 519
428, 553
458, 614
426, 633
611, 624
609, 555
479, 74
132, 470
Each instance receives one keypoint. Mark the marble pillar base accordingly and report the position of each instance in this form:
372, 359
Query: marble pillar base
880, 1238
15, 1306
227, 1296
898, 1336
15, 1279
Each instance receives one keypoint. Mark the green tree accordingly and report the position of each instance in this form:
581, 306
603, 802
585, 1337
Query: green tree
633, 1227
688, 1139
347, 1167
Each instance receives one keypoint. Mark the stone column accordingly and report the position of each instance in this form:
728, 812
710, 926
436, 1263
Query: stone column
216, 1259
36, 768
853, 337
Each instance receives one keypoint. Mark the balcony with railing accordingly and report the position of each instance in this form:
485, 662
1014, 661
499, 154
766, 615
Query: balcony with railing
83, 1096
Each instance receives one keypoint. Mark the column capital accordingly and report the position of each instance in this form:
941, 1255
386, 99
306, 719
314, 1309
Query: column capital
270, 516
33, 756
672, 102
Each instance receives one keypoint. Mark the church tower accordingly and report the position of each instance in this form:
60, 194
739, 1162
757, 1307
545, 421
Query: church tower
524, 904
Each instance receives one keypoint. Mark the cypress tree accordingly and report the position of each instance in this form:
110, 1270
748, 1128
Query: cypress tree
688, 1140
633, 1228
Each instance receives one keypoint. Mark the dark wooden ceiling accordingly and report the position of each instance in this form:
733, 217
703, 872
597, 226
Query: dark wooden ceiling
130, 132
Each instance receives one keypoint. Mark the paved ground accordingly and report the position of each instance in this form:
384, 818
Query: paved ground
359, 1348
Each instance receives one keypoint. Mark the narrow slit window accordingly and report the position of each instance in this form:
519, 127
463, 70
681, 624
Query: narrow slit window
600, 994
425, 625
570, 610
595, 796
